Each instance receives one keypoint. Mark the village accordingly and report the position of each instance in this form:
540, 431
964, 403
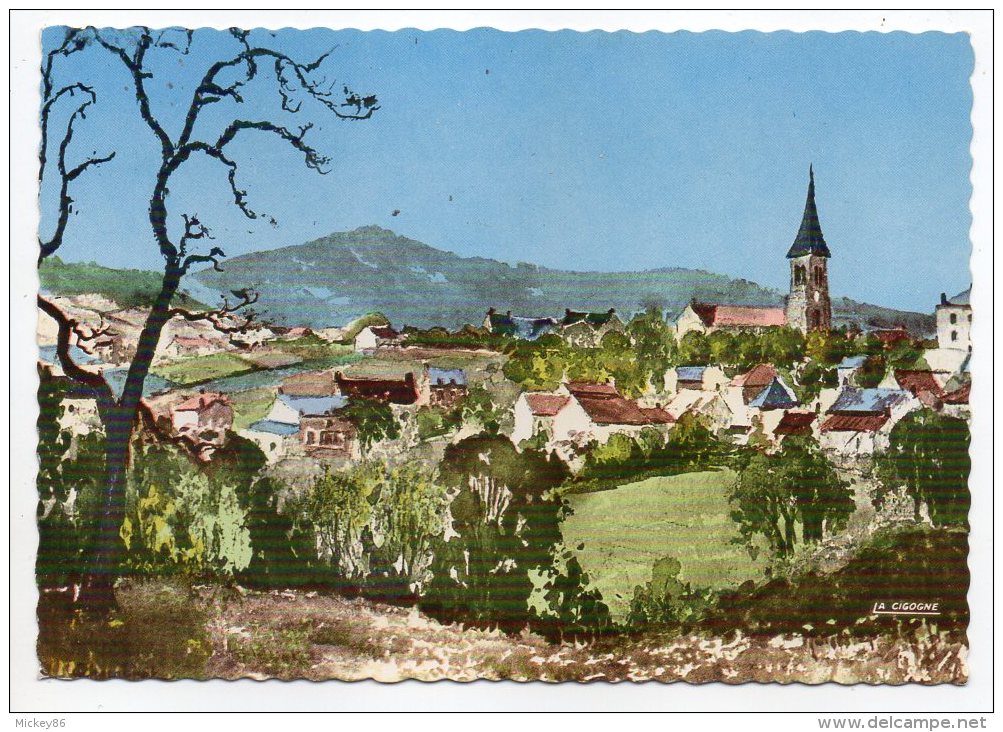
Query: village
301, 418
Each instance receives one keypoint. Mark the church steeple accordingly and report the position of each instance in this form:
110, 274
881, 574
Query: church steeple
809, 239
808, 305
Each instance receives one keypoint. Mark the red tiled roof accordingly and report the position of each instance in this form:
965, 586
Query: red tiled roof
657, 415
586, 388
193, 341
397, 391
854, 423
958, 396
546, 405
201, 401
312, 383
761, 375
735, 316
917, 382
891, 336
795, 423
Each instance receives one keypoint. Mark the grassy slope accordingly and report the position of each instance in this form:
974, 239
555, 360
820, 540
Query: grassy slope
199, 369
683, 516
128, 287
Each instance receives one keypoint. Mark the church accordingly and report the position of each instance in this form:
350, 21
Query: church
807, 306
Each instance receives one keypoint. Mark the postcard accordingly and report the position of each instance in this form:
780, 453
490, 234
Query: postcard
538, 355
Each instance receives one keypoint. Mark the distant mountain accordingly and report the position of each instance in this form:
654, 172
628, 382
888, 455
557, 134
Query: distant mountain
332, 280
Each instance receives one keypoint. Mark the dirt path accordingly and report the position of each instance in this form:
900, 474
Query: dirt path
296, 635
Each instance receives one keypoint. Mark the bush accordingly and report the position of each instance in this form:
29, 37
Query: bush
666, 600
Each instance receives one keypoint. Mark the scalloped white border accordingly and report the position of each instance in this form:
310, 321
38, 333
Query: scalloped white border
28, 693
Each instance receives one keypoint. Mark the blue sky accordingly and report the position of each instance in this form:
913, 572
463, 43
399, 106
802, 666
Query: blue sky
590, 151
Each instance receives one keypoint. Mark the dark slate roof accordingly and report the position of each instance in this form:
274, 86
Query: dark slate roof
274, 428
690, 373
440, 377
502, 324
866, 401
311, 406
962, 298
809, 239
596, 320
774, 396
852, 362
530, 329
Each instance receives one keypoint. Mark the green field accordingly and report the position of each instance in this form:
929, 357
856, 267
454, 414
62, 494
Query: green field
683, 516
199, 369
251, 405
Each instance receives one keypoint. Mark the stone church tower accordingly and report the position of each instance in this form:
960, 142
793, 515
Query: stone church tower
808, 306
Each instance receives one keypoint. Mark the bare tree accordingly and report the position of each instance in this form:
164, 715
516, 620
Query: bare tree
225, 81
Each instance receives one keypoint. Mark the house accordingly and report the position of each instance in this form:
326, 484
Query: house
376, 336
275, 439
706, 318
447, 387
516, 326
307, 425
391, 391
581, 412
586, 330
535, 412
699, 378
185, 346
954, 321
203, 418
860, 420
848, 368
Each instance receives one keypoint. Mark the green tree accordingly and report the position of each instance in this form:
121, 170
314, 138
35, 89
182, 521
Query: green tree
783, 347
507, 525
928, 454
373, 420
339, 506
694, 350
773, 494
692, 446
283, 548
408, 517
537, 365
666, 600
653, 343
479, 408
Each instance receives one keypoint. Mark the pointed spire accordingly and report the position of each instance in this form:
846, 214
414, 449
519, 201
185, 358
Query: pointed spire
809, 239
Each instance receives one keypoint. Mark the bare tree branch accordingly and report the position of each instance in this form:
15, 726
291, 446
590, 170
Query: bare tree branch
245, 298
65, 206
69, 328
134, 64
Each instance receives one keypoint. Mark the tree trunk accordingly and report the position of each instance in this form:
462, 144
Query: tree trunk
97, 590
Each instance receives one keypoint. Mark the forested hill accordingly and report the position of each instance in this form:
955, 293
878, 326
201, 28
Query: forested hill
332, 280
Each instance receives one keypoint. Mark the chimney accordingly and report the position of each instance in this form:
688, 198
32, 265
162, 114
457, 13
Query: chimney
508, 313
943, 298
409, 378
491, 311
567, 312
611, 311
